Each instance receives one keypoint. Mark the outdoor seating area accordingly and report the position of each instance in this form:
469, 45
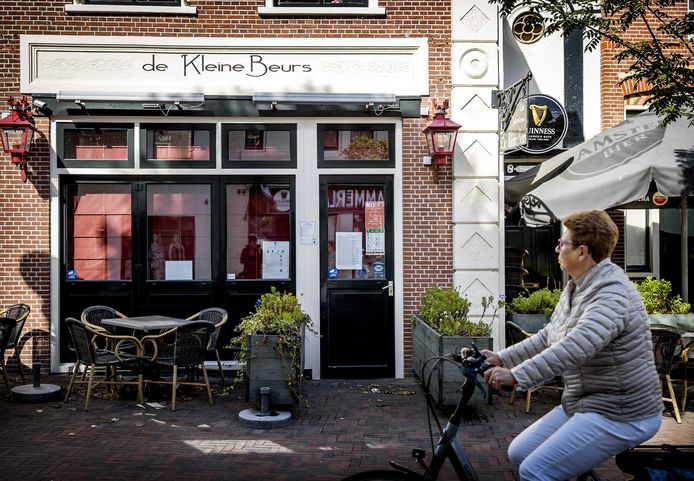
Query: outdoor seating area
152, 351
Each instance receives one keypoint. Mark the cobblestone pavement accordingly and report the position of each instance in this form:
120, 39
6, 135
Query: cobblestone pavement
348, 426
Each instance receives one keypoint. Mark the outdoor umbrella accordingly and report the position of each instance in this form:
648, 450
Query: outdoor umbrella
610, 169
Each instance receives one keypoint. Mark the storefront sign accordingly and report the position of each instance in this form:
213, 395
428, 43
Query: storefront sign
223, 66
547, 124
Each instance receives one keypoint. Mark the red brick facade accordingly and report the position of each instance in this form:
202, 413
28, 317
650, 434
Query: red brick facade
24, 208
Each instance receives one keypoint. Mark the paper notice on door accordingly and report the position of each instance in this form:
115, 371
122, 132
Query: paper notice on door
375, 228
348, 250
307, 232
178, 270
275, 260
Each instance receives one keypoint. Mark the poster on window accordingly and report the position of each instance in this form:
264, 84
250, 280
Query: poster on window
348, 250
374, 220
275, 259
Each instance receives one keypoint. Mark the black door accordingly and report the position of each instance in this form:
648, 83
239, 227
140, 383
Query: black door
357, 320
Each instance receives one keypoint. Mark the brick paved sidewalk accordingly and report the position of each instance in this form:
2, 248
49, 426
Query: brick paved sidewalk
349, 426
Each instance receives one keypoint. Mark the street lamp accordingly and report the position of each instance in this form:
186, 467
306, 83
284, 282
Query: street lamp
441, 135
17, 133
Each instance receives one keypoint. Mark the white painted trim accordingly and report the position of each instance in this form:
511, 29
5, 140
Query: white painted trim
320, 11
129, 9
54, 233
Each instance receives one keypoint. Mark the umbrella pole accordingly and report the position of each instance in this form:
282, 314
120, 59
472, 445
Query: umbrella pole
684, 248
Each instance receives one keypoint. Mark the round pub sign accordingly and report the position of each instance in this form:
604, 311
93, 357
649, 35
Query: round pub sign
547, 124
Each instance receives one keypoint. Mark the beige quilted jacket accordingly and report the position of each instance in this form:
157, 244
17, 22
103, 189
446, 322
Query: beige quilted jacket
599, 342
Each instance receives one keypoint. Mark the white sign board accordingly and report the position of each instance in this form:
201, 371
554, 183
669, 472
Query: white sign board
275, 260
348, 250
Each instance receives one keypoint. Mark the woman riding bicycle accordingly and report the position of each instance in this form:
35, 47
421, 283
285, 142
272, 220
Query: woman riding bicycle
599, 342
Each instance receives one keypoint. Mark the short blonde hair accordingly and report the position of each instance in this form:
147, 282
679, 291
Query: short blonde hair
595, 229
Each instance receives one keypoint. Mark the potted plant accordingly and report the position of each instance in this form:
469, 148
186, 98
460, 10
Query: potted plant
442, 326
271, 347
662, 307
531, 313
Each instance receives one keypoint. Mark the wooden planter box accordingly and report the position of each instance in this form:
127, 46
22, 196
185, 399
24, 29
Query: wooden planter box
529, 322
447, 381
266, 369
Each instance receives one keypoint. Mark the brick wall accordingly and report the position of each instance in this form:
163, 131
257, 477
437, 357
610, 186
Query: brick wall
24, 208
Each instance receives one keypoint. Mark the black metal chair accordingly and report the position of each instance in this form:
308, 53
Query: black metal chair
20, 313
515, 334
85, 339
218, 317
6, 326
188, 348
665, 343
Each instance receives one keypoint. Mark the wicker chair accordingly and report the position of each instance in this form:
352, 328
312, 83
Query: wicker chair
665, 344
6, 326
515, 334
218, 317
95, 314
19, 313
190, 343
85, 339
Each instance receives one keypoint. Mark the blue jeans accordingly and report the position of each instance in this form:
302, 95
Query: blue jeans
559, 447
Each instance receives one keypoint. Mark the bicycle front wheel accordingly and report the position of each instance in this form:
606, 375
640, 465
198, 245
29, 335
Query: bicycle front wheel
384, 475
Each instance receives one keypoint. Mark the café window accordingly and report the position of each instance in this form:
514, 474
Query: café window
177, 146
358, 145
94, 145
321, 3
259, 146
258, 231
178, 232
140, 3
637, 240
98, 232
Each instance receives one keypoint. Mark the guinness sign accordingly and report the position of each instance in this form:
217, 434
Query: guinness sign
547, 124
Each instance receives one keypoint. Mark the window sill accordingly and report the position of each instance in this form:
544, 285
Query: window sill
126, 9
321, 11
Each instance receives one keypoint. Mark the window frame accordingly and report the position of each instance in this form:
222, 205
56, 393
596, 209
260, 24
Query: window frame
79, 7
259, 164
318, 4
145, 163
61, 127
375, 164
371, 10
646, 242
142, 3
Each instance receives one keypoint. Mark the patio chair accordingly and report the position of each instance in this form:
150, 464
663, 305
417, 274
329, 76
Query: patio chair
665, 344
93, 315
6, 326
85, 339
190, 343
515, 334
20, 313
218, 317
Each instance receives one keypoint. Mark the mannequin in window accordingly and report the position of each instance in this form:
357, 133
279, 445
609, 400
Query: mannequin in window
251, 258
177, 252
156, 258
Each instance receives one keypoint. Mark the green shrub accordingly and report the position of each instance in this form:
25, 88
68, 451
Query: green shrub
446, 311
657, 298
541, 301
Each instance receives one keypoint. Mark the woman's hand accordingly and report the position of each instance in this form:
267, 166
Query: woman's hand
499, 376
491, 357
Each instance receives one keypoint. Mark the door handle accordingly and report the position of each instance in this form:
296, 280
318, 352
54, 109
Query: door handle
389, 286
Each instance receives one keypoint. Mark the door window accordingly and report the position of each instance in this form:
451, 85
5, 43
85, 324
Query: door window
178, 232
99, 242
258, 231
356, 232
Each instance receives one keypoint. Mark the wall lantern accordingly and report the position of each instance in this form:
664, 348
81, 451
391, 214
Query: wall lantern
441, 135
17, 133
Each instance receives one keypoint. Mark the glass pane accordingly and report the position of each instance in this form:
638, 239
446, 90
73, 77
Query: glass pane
178, 232
636, 227
258, 231
259, 145
99, 243
171, 144
321, 3
356, 232
355, 145
95, 144
170, 3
